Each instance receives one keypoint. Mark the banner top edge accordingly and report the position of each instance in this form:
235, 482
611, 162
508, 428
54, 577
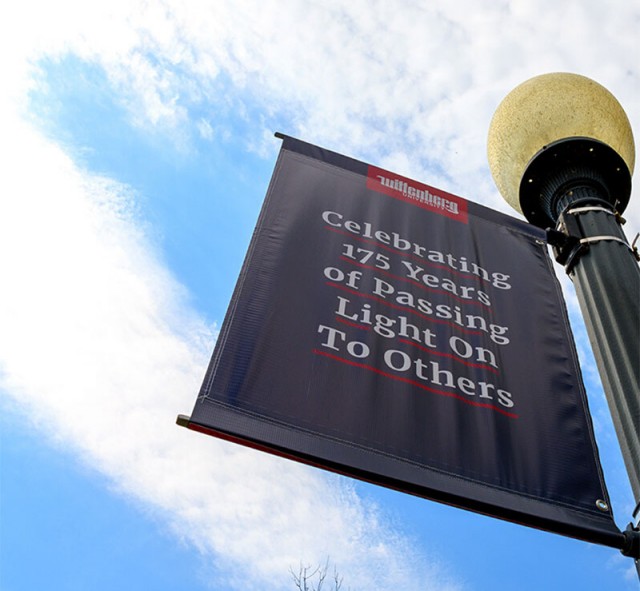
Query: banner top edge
361, 167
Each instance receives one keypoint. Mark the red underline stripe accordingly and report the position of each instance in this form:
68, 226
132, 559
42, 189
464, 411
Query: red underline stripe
422, 348
403, 308
416, 283
450, 356
405, 253
353, 324
414, 383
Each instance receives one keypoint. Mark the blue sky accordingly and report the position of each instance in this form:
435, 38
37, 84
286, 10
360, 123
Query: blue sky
137, 148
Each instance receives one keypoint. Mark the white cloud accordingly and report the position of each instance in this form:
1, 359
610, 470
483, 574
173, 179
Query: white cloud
100, 351
205, 129
410, 86
414, 82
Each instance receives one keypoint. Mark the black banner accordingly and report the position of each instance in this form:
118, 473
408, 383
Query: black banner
395, 333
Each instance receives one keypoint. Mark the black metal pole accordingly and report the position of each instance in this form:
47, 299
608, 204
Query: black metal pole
607, 281
576, 184
590, 242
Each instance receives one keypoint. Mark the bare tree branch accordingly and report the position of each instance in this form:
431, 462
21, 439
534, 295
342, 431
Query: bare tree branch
308, 579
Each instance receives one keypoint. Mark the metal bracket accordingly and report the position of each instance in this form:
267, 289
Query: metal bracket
599, 208
634, 248
568, 243
566, 248
592, 239
631, 545
566, 240
636, 516
590, 208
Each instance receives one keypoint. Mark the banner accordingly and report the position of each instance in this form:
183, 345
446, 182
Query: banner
395, 333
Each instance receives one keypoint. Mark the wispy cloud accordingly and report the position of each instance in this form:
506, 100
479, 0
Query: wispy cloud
412, 86
100, 351
98, 344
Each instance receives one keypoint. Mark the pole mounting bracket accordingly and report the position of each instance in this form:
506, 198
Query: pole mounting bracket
631, 545
567, 243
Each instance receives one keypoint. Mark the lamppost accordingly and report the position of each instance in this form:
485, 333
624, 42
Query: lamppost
561, 152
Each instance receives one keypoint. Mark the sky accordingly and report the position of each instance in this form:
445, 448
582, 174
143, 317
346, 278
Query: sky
137, 146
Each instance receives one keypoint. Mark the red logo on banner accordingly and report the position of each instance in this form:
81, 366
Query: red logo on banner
416, 193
